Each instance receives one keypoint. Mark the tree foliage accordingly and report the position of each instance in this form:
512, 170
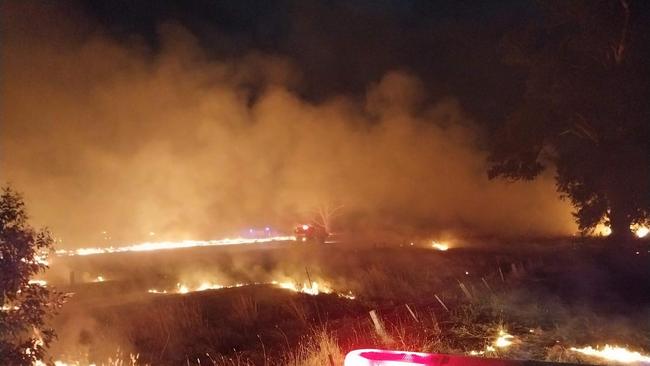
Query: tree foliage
585, 109
24, 335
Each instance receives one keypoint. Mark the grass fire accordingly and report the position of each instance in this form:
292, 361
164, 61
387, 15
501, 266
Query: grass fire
324, 182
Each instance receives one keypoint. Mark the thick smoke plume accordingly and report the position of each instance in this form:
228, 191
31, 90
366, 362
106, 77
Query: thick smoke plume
106, 135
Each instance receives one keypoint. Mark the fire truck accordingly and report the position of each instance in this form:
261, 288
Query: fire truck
310, 233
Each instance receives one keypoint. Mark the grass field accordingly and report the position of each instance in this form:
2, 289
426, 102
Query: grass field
549, 296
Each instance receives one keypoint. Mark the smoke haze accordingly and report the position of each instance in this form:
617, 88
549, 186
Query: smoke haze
106, 135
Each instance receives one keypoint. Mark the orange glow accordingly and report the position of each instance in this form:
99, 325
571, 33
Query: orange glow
613, 353
504, 339
166, 245
315, 288
439, 245
641, 231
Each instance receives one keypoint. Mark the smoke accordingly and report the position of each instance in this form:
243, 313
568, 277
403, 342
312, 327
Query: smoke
111, 136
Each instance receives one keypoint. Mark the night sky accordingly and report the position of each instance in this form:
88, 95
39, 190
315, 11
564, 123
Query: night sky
340, 47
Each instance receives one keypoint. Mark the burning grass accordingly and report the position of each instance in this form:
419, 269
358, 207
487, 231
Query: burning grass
613, 353
315, 288
169, 245
469, 302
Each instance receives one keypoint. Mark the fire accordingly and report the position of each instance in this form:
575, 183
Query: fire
504, 339
166, 245
641, 231
183, 288
440, 245
613, 353
118, 360
41, 259
99, 278
208, 286
38, 282
314, 289
602, 230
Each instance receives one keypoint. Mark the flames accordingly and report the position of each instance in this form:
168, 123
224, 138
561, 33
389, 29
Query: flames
315, 288
118, 360
166, 245
641, 231
439, 245
613, 353
99, 278
503, 340
609, 353
182, 288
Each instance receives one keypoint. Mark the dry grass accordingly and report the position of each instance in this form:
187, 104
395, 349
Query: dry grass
298, 310
321, 349
245, 309
265, 326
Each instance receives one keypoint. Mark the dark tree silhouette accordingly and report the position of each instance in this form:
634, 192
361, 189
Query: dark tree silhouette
24, 335
585, 111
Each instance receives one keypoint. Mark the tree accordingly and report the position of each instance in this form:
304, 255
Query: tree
585, 110
325, 213
26, 304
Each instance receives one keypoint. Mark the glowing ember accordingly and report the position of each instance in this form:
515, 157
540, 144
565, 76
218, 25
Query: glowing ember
613, 353
504, 339
99, 278
166, 245
439, 245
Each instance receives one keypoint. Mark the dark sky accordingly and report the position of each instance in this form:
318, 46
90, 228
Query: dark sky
341, 47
